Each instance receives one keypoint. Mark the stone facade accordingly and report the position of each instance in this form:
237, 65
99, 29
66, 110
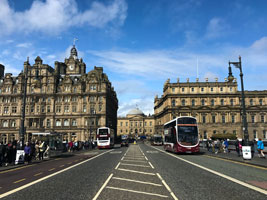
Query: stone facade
135, 124
64, 99
216, 105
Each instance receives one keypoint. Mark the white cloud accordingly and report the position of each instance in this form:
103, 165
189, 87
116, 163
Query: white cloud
24, 45
55, 16
217, 27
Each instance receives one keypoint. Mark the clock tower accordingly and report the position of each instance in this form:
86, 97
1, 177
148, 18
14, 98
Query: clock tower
74, 65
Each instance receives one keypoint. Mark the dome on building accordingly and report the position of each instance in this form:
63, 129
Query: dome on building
135, 111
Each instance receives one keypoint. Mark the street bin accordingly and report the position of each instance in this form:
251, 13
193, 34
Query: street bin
246, 151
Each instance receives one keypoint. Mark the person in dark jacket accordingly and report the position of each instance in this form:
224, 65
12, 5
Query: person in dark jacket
237, 145
27, 151
1, 153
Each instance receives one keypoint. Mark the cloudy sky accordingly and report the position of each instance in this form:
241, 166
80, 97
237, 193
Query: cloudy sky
140, 44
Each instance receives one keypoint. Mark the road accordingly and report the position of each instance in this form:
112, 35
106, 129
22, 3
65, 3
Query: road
137, 172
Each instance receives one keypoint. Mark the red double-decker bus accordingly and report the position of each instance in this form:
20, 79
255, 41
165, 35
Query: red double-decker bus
181, 135
105, 138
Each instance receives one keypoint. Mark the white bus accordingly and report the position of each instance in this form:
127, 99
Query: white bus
105, 138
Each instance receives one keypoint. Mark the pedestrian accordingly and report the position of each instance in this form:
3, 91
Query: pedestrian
41, 150
260, 148
251, 144
1, 153
27, 151
37, 150
226, 145
237, 145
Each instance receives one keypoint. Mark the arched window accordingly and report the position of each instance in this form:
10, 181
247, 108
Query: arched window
183, 102
5, 123
58, 122
193, 102
212, 102
203, 102
173, 102
66, 122
13, 123
74, 122
222, 102
251, 102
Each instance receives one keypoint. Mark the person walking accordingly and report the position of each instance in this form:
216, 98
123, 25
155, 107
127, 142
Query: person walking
41, 150
226, 145
237, 145
1, 153
260, 148
27, 151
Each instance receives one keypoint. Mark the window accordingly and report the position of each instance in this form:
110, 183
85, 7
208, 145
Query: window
223, 119
233, 119
5, 123
231, 89
222, 102
74, 108
251, 102
212, 102
182, 89
42, 109
224, 131
49, 99
58, 109
48, 109
100, 107
140, 124
260, 101
254, 134
14, 109
92, 87
126, 123
183, 102
58, 122
203, 102
221, 89
211, 89
262, 118
264, 134
173, 102
48, 123
66, 99
193, 102
74, 99
231, 102
205, 134
234, 132
74, 122
192, 89
84, 99
32, 109
84, 108
214, 132
92, 109
66, 109
173, 89
202, 89
13, 123
74, 89
66, 122
252, 119
204, 119
5, 110
92, 99
131, 123
213, 119
58, 99
150, 123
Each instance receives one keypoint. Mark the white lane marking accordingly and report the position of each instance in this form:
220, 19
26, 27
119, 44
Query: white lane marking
151, 165
136, 181
140, 192
51, 175
219, 174
103, 186
117, 165
136, 160
134, 171
152, 151
168, 188
122, 158
116, 152
134, 165
126, 152
146, 158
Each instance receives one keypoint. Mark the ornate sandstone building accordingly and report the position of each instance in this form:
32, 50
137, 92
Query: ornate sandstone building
64, 99
135, 124
216, 105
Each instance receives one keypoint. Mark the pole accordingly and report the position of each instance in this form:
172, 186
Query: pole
22, 127
244, 115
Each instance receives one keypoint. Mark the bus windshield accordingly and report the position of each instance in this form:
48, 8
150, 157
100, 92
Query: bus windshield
158, 139
103, 131
103, 138
188, 135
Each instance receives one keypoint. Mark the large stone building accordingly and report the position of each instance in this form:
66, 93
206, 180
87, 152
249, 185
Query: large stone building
136, 124
216, 105
64, 99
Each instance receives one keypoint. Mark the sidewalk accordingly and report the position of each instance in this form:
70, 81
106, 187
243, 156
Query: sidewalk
64, 154
261, 162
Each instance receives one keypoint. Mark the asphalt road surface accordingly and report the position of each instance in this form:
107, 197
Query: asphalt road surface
137, 172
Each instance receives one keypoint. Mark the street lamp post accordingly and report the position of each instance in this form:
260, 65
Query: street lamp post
22, 127
244, 115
